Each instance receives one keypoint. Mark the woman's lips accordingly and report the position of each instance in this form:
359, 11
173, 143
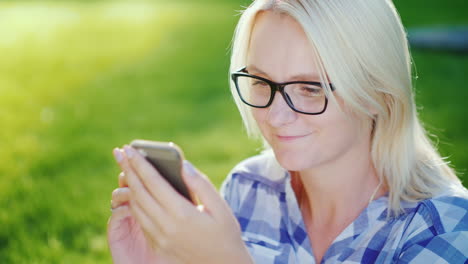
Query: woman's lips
289, 138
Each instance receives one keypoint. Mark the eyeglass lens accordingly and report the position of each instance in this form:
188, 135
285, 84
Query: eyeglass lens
304, 97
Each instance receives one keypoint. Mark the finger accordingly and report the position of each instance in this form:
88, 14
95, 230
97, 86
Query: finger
121, 159
152, 231
201, 186
157, 186
120, 217
146, 202
118, 154
120, 196
120, 212
139, 191
122, 180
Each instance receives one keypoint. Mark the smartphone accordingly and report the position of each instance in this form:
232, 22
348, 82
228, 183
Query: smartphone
166, 158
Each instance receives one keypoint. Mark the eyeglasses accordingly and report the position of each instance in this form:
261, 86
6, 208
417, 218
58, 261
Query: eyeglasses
303, 97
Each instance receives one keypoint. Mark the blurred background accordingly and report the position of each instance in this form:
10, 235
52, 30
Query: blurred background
78, 78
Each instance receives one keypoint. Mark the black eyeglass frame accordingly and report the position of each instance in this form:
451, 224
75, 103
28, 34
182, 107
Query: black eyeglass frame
276, 87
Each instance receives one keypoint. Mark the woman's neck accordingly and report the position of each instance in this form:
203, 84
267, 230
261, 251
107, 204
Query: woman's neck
337, 194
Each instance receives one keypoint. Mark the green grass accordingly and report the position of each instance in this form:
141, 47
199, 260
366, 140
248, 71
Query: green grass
441, 83
79, 78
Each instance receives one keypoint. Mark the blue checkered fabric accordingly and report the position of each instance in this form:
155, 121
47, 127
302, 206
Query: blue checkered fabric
430, 231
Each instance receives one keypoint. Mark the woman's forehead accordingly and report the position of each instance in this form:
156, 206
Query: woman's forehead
280, 49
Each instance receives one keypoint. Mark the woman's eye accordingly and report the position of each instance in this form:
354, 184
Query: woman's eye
259, 83
311, 91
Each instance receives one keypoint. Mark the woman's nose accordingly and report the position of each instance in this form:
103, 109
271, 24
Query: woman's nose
279, 112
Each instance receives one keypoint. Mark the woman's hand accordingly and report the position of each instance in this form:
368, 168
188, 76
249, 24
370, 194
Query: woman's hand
126, 240
176, 227
125, 237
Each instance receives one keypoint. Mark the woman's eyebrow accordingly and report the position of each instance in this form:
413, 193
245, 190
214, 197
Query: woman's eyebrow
297, 77
304, 77
252, 68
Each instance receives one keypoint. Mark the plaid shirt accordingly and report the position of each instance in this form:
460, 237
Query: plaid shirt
430, 231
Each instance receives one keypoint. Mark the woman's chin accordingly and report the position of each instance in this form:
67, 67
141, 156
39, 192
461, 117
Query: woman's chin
290, 161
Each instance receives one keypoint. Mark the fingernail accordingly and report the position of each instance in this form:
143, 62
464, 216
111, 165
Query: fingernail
129, 152
118, 155
189, 168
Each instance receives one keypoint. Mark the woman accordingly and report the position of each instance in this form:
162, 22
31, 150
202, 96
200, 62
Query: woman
347, 175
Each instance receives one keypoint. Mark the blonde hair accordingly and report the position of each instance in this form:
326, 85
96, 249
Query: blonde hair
363, 51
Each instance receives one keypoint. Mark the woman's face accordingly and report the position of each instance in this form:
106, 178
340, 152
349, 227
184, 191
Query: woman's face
280, 51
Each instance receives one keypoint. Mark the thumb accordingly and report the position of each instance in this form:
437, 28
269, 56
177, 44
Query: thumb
202, 188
